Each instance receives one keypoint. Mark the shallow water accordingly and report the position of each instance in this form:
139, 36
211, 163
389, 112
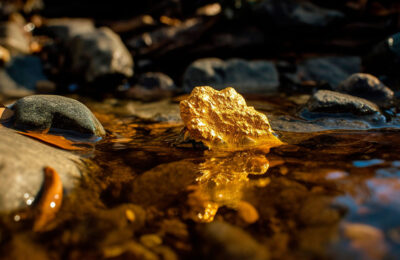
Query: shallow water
324, 195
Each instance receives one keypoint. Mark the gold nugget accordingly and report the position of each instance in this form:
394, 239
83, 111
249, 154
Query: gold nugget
223, 121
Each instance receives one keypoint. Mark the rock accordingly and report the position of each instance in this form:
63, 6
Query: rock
369, 87
21, 173
65, 29
222, 120
329, 71
14, 38
246, 77
99, 54
219, 240
41, 112
293, 14
334, 103
152, 86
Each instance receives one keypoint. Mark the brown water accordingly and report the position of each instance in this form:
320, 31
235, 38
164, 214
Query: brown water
325, 195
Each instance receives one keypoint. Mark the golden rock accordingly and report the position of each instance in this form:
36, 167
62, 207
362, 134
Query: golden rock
223, 121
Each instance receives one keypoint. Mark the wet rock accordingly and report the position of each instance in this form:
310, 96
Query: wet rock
161, 111
329, 103
152, 86
66, 29
14, 38
100, 53
222, 120
245, 76
220, 240
329, 71
368, 87
21, 168
288, 13
42, 112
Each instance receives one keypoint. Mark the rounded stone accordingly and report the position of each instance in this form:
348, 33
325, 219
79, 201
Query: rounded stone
43, 112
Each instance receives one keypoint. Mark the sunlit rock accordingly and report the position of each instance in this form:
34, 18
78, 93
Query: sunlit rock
223, 121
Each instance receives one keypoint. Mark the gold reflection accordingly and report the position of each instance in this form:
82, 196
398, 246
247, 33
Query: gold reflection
224, 177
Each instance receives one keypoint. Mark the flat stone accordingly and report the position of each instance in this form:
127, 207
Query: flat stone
246, 77
222, 120
21, 168
369, 87
329, 102
41, 112
100, 53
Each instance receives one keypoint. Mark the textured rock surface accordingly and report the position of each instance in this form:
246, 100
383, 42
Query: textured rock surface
330, 102
21, 168
245, 76
40, 112
367, 86
222, 120
220, 240
100, 53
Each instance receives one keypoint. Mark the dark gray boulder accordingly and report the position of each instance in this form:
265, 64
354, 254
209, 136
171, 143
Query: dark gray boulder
40, 112
246, 77
21, 168
369, 87
100, 53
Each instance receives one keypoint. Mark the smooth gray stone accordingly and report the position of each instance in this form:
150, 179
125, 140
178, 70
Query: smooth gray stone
100, 53
260, 77
152, 86
40, 112
21, 168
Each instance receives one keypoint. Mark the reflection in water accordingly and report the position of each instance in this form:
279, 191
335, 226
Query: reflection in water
223, 178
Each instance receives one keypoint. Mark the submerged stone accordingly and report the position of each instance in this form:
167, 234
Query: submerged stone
222, 120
